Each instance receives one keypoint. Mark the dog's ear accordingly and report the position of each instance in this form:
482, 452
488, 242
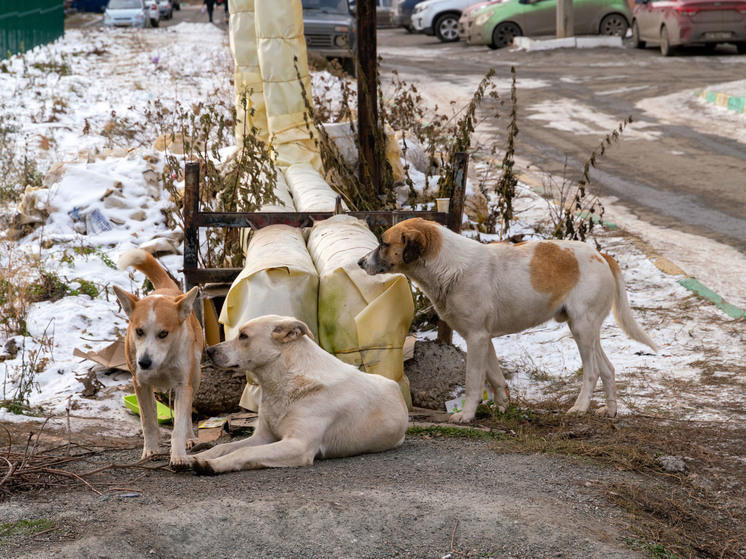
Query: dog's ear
290, 330
127, 300
414, 245
185, 303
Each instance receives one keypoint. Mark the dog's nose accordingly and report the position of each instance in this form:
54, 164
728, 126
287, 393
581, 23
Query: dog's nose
210, 351
361, 262
145, 363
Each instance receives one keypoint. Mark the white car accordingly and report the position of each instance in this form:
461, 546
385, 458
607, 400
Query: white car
166, 8
439, 18
131, 13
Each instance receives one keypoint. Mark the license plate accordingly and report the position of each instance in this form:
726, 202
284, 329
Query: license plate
719, 35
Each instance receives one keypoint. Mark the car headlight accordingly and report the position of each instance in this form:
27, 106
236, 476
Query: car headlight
418, 8
481, 19
341, 41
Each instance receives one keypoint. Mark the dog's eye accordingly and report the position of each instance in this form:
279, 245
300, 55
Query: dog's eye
162, 334
243, 336
139, 332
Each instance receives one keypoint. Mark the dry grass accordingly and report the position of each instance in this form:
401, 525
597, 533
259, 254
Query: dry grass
697, 513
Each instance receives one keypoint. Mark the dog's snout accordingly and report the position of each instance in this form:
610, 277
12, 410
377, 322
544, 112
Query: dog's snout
361, 262
145, 362
210, 351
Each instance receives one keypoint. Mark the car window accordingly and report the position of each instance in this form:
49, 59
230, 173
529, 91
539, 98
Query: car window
328, 6
125, 4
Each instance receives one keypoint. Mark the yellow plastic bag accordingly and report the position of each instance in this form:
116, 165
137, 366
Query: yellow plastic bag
279, 278
363, 319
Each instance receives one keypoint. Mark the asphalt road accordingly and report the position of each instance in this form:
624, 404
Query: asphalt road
679, 167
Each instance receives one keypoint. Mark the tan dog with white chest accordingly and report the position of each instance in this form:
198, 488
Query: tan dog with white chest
312, 404
483, 291
163, 348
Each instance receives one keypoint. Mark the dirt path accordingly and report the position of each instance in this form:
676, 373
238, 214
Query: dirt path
403, 503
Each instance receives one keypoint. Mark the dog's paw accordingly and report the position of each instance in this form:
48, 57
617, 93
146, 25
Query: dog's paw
181, 463
191, 443
203, 467
605, 411
148, 453
576, 410
461, 417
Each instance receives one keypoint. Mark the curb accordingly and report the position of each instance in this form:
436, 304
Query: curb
734, 103
660, 261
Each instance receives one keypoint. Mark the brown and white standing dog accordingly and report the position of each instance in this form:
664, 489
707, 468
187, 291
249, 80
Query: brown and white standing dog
312, 404
483, 291
163, 349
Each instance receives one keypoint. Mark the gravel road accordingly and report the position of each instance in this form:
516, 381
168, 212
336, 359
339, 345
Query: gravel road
403, 503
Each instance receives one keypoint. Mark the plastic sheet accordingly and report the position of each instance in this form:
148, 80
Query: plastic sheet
309, 189
363, 319
281, 46
279, 278
247, 75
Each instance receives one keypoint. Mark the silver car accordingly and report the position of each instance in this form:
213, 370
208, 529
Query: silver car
131, 13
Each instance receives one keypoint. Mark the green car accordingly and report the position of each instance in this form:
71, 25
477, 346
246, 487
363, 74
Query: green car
495, 25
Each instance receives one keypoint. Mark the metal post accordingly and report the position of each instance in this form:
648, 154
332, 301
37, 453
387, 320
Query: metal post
455, 218
565, 19
367, 98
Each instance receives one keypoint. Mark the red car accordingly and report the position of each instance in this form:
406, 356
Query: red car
670, 23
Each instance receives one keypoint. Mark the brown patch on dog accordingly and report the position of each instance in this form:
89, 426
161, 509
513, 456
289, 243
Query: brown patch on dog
615, 269
554, 270
411, 239
597, 257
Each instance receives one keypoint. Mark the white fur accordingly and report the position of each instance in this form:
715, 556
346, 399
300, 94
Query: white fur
343, 412
483, 291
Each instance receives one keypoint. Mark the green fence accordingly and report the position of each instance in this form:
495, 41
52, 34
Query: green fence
25, 24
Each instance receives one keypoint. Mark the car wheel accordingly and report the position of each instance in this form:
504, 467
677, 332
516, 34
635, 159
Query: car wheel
741, 48
154, 23
409, 28
613, 24
666, 48
503, 34
636, 42
446, 28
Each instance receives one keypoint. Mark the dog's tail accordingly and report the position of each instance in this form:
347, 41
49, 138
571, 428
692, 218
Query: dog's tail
622, 311
142, 260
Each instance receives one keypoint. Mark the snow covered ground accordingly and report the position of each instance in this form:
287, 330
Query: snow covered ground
61, 99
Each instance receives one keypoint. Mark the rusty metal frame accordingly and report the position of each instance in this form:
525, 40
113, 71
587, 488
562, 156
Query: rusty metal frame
196, 219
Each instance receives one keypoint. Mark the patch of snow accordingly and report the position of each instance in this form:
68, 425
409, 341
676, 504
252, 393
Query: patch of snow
569, 115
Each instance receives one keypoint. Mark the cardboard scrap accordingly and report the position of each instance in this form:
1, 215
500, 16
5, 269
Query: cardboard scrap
111, 357
408, 347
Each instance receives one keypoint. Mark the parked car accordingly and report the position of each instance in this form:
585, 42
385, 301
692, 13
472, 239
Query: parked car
384, 13
497, 25
467, 17
131, 13
166, 9
403, 13
674, 23
439, 18
329, 27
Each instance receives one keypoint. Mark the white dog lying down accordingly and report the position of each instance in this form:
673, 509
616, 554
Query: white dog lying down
483, 291
312, 404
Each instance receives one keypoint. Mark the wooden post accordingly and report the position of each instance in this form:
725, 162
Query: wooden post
190, 209
455, 218
367, 93
565, 19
